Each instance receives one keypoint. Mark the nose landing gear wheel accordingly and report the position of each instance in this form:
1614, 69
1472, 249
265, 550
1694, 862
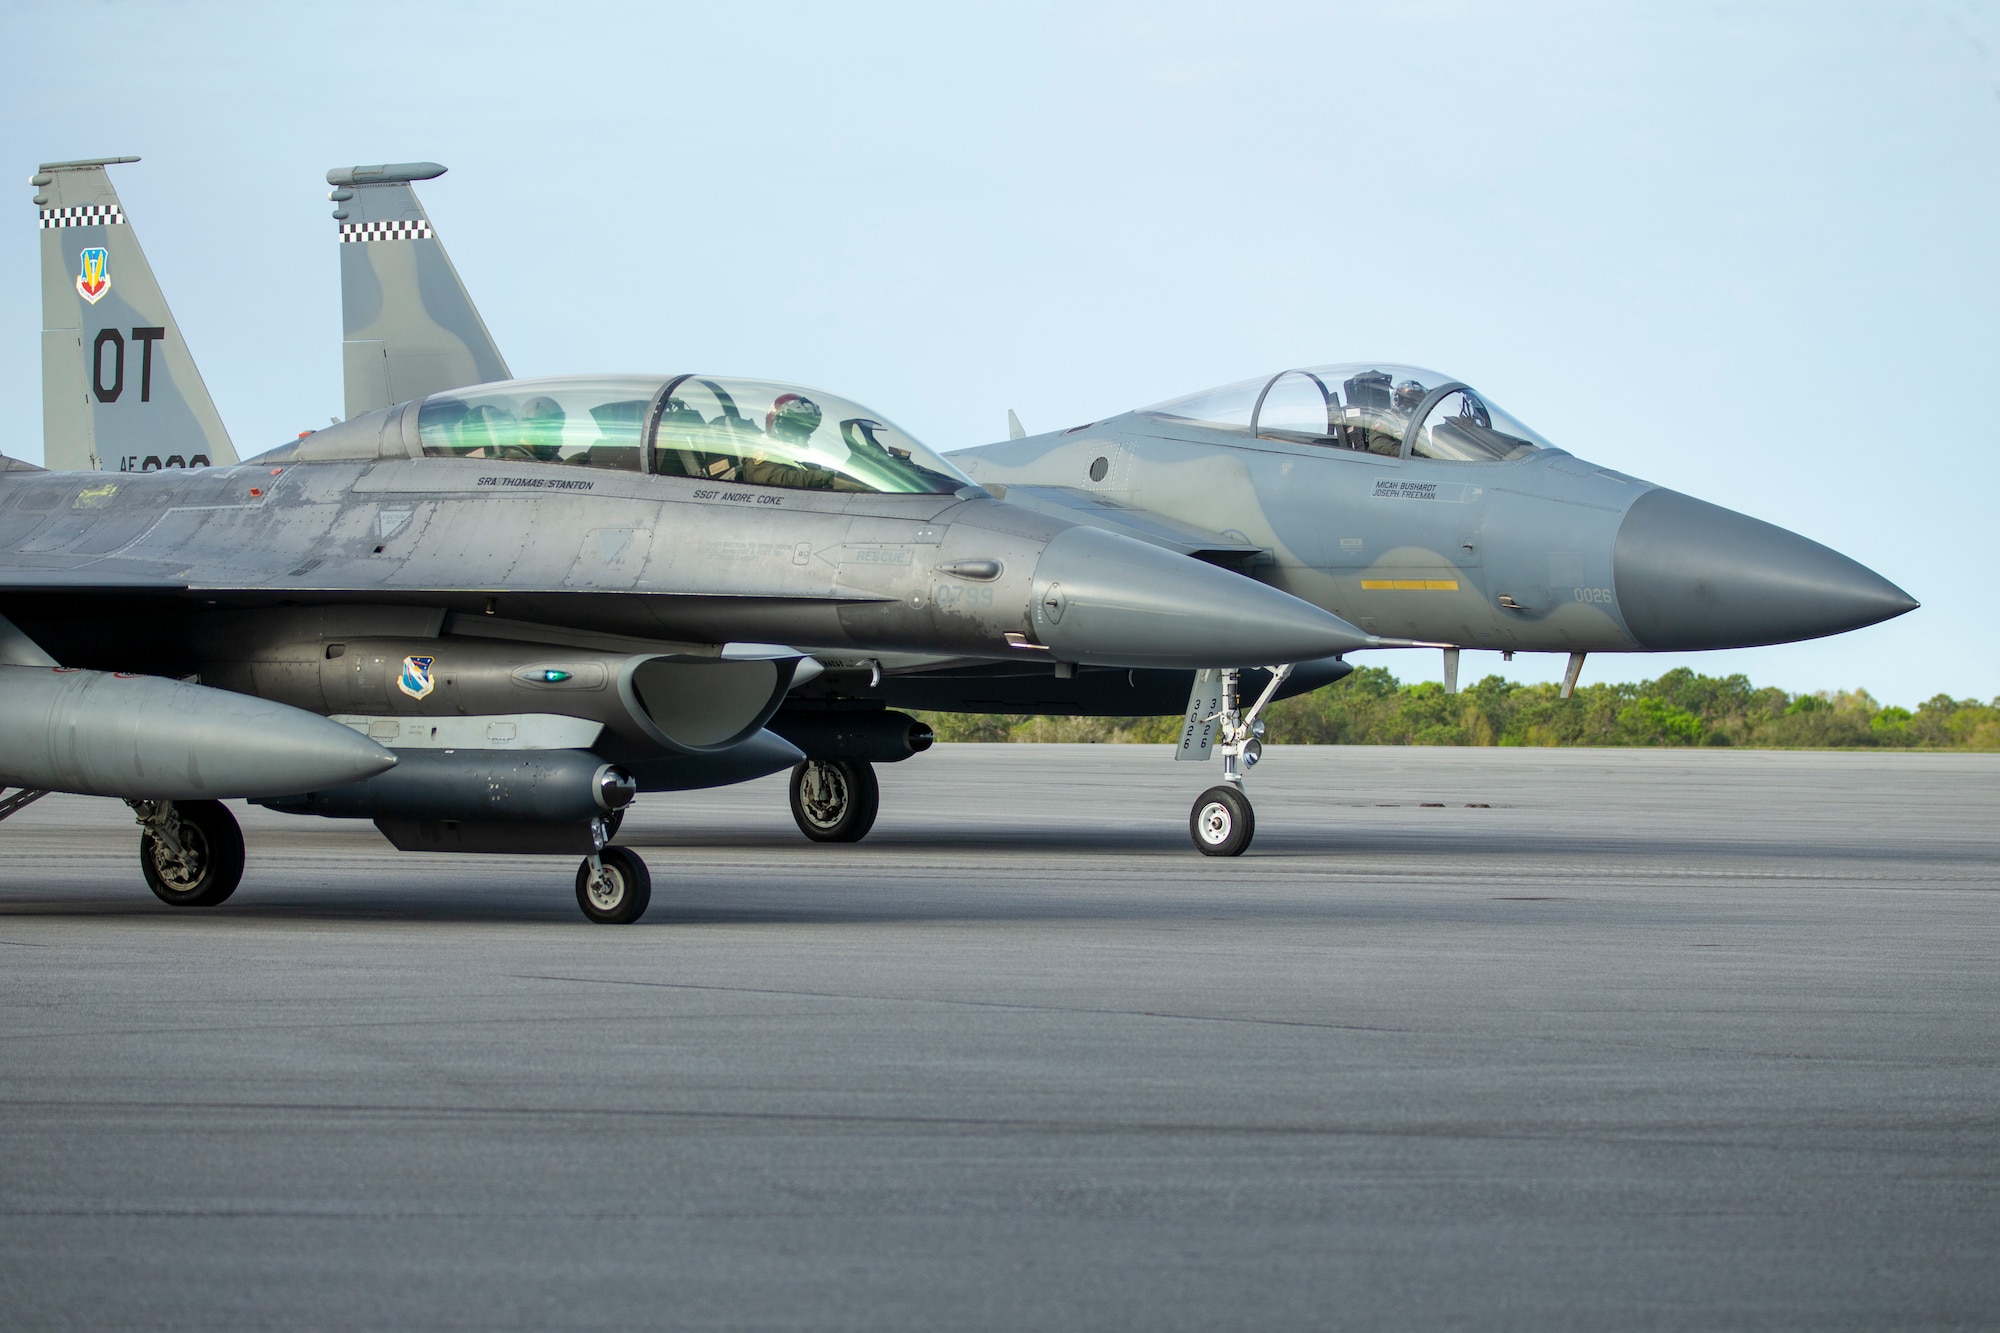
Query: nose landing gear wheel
616, 891
835, 800
1222, 822
209, 864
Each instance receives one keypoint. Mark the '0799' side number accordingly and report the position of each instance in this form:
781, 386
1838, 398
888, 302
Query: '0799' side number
959, 594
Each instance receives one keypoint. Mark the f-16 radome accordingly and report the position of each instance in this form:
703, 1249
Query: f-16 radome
485, 618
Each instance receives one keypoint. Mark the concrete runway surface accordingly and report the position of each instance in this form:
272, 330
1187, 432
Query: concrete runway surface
1649, 1039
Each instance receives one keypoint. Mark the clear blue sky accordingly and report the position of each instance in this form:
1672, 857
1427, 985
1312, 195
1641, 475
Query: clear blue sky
1745, 250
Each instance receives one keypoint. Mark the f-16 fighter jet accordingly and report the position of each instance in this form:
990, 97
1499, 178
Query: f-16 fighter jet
485, 618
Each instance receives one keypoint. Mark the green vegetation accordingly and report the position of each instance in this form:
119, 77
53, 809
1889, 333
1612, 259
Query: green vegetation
1372, 707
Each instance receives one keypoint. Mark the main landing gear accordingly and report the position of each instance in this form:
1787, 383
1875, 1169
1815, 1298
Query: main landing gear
191, 852
1222, 822
835, 800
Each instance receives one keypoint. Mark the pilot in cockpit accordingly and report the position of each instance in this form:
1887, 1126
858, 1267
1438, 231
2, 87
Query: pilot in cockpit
1385, 435
541, 424
789, 424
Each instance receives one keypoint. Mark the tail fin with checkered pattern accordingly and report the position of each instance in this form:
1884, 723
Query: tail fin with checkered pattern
410, 329
120, 391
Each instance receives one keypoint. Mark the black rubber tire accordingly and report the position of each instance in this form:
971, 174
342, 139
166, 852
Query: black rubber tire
634, 888
844, 803
1222, 822
211, 836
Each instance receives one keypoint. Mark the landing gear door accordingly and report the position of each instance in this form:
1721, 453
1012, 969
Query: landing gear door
1204, 711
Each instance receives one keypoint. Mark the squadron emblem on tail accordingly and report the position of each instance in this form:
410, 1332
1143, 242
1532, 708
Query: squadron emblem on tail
93, 278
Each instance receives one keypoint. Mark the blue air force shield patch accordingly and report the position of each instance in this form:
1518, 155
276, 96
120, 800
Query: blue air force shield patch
416, 680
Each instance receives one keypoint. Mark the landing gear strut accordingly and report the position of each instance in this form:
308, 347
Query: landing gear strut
835, 800
191, 852
1222, 822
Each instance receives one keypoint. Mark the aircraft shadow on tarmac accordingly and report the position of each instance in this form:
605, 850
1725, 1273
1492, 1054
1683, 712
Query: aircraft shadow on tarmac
1497, 848
915, 875
797, 904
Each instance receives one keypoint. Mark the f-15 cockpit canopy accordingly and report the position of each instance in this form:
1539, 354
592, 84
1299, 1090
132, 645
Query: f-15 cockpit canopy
1366, 408
756, 432
708, 428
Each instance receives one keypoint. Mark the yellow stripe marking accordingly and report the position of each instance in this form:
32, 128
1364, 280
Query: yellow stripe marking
1409, 585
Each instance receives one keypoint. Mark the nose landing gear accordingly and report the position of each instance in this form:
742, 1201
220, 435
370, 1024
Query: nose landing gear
835, 800
1222, 822
613, 886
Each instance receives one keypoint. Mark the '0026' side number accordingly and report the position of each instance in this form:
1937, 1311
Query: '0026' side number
1600, 596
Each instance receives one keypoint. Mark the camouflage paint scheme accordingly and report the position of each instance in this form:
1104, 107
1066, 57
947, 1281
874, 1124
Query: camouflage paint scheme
1542, 551
408, 328
1539, 552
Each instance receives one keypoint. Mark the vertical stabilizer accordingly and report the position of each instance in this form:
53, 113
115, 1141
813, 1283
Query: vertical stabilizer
119, 387
409, 329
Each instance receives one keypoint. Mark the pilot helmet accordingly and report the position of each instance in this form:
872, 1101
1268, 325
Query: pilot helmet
542, 421
541, 408
1409, 393
792, 416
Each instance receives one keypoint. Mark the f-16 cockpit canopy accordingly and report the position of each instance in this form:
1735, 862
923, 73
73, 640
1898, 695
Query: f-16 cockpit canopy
752, 432
1366, 408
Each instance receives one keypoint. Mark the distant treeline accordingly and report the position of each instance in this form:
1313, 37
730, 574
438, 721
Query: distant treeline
1372, 707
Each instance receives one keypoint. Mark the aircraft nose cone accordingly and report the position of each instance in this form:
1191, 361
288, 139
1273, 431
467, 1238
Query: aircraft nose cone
1692, 575
1108, 600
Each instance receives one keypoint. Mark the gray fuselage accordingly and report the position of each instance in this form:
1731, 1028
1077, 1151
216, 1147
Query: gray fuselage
1545, 552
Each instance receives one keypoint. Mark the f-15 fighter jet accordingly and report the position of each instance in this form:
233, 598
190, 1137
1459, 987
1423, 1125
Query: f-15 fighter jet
1413, 505
485, 618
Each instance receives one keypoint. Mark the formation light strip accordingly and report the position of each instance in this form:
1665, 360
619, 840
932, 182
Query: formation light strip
1409, 585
